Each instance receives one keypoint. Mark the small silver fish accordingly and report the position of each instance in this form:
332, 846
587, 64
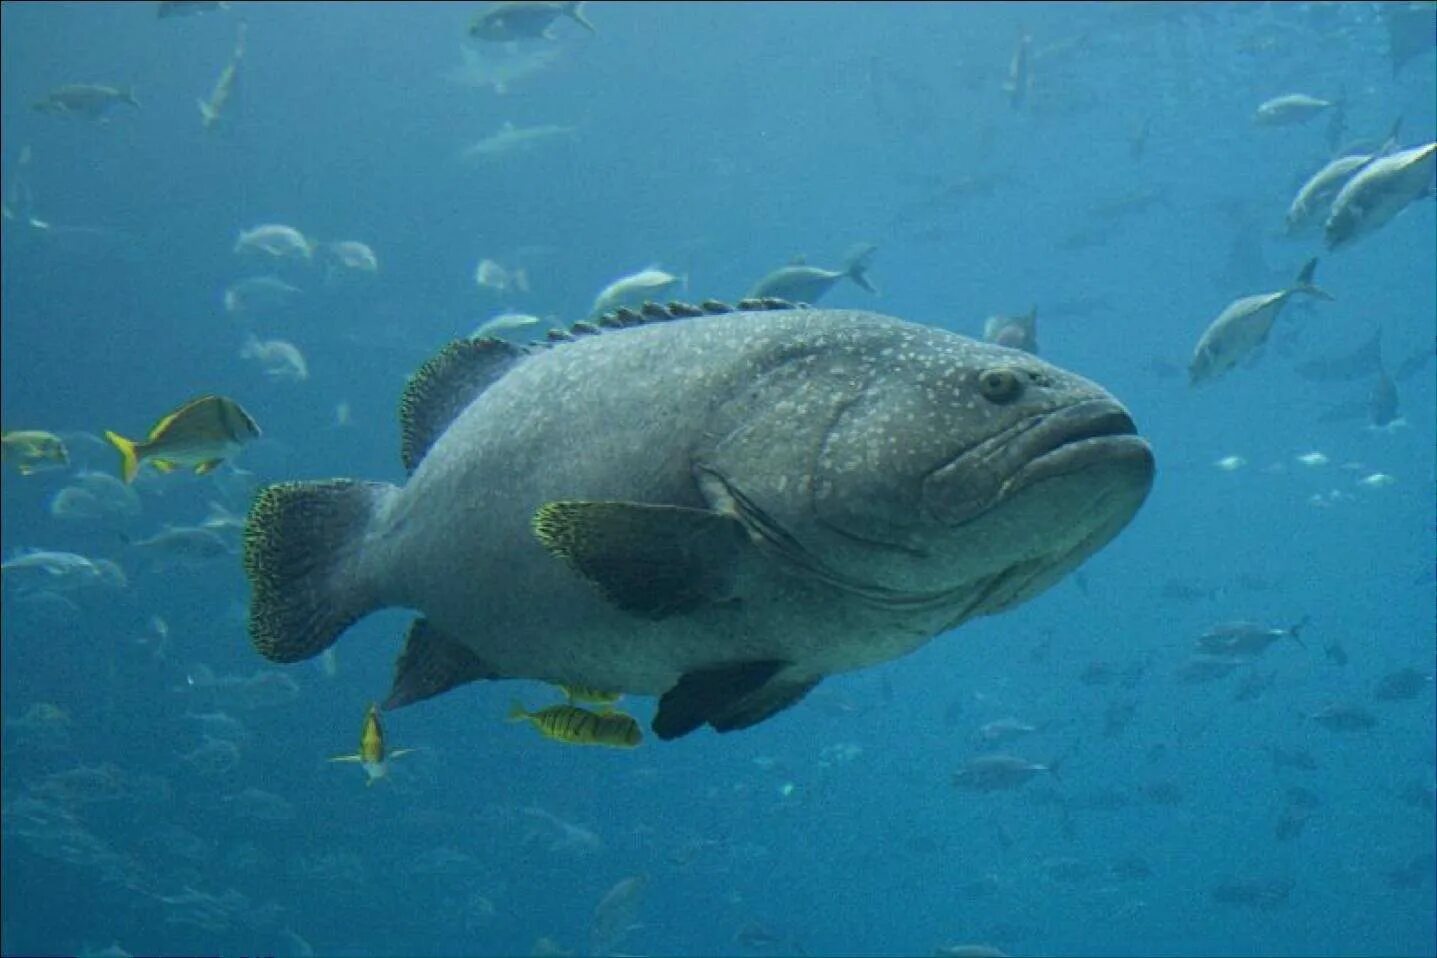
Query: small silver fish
1290, 109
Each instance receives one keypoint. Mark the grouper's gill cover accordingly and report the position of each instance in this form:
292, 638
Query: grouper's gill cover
720, 510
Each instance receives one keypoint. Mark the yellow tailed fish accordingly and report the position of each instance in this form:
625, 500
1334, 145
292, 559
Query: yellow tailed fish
33, 450
576, 726
202, 433
372, 753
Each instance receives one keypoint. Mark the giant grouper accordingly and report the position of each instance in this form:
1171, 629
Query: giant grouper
717, 506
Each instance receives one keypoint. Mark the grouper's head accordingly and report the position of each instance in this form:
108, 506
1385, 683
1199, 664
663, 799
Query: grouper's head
925, 470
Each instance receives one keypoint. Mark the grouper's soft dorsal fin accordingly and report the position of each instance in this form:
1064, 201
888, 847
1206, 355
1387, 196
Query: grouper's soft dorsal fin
650, 560
444, 386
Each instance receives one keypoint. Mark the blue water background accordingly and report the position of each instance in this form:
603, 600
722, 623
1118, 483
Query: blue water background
719, 140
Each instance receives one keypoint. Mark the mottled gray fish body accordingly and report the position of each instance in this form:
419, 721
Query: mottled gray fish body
721, 509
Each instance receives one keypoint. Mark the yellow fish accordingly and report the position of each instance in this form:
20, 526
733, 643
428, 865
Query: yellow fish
203, 433
372, 753
576, 726
583, 693
32, 451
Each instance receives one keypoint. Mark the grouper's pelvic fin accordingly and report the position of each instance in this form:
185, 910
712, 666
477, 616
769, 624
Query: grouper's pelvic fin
432, 663
727, 697
301, 559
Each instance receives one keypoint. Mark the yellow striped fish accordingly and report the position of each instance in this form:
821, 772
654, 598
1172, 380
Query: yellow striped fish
372, 753
576, 726
203, 433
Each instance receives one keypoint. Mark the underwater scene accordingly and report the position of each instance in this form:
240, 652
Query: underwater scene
557, 479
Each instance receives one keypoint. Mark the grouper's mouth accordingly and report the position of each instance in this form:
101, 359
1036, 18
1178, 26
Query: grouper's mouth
1075, 438
1087, 435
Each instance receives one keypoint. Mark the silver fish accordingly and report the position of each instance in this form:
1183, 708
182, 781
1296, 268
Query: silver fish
1378, 192
1243, 327
802, 283
1290, 109
88, 100
992, 773
526, 20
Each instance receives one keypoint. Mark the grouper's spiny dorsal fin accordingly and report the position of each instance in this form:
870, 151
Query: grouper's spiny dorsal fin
445, 385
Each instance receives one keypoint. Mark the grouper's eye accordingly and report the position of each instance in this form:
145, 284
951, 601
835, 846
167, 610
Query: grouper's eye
1000, 384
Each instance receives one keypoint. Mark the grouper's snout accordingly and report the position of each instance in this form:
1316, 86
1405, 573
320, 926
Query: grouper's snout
1094, 438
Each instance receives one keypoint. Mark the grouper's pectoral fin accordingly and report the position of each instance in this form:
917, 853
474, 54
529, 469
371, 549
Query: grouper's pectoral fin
653, 561
728, 697
432, 663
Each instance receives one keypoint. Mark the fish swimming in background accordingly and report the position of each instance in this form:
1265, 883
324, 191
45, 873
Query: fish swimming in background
802, 283
185, 544
89, 100
1015, 332
1020, 77
373, 753
992, 773
1290, 109
648, 283
47, 571
490, 275
348, 256
277, 240
526, 20
1243, 327
1378, 192
211, 109
33, 450
258, 294
1343, 717
505, 323
578, 726
1247, 638
512, 139
1310, 207
203, 433
669, 493
278, 358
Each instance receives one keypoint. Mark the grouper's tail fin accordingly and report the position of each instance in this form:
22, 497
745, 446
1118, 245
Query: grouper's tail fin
302, 559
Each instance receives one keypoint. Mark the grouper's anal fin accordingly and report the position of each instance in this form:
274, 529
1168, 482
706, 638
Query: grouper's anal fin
444, 387
432, 663
651, 560
728, 697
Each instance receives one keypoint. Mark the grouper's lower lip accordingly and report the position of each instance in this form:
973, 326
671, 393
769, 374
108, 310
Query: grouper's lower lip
1096, 433
1121, 452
